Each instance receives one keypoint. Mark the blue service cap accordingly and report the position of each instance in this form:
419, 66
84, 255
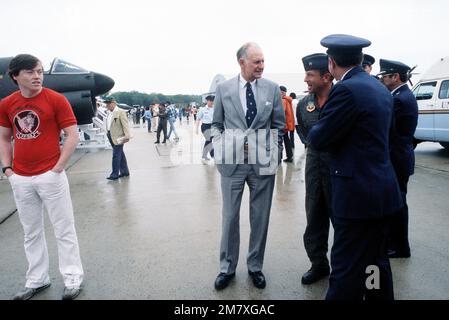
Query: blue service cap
343, 44
316, 61
368, 60
390, 66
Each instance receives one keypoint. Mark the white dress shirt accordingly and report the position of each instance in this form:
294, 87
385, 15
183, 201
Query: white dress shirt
109, 122
242, 91
342, 78
295, 106
394, 91
206, 114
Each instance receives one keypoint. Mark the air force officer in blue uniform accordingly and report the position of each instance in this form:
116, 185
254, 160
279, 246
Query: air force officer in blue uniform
394, 75
354, 127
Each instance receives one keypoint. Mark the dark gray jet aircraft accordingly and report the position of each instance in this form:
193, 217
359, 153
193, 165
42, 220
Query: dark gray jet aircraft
80, 86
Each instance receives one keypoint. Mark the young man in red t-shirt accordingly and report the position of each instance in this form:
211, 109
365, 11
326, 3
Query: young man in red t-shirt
34, 116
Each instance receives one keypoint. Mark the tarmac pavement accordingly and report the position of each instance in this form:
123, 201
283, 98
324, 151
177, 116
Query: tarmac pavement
155, 234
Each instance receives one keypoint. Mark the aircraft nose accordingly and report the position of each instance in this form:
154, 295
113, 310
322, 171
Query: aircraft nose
102, 84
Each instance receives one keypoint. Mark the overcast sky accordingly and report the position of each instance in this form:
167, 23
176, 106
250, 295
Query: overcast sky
175, 46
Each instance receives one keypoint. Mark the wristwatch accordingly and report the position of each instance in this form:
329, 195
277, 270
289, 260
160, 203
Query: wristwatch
6, 168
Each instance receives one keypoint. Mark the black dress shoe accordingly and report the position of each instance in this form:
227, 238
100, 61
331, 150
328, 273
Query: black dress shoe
70, 293
223, 280
314, 274
258, 279
112, 178
123, 175
398, 254
288, 160
157, 142
28, 293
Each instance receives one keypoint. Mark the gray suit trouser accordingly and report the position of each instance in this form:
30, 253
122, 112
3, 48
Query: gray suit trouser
261, 194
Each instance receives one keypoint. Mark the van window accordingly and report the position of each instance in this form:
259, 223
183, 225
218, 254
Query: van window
425, 90
444, 90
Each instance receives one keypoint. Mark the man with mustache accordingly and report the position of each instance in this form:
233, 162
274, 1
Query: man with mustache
317, 176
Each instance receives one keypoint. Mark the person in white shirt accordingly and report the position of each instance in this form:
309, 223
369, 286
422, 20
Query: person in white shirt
294, 105
206, 115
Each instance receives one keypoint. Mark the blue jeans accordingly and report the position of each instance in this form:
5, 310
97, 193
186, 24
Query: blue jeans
172, 121
119, 164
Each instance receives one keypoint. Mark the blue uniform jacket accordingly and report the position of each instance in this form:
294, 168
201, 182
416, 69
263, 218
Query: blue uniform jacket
401, 137
354, 127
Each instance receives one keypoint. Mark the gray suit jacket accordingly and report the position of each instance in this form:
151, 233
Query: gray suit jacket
229, 128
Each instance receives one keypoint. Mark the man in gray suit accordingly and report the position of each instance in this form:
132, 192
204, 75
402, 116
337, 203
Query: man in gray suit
247, 132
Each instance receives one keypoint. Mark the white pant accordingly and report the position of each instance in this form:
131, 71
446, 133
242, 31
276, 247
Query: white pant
51, 191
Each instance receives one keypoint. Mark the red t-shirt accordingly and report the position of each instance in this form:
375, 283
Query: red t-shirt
36, 124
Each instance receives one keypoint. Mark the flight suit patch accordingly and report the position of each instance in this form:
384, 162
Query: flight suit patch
310, 106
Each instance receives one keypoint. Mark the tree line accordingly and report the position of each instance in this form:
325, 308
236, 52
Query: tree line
144, 99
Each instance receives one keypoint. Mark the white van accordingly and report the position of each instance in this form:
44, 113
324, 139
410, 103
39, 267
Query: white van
432, 95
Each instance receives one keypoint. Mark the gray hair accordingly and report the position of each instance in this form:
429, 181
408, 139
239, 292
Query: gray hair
242, 53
